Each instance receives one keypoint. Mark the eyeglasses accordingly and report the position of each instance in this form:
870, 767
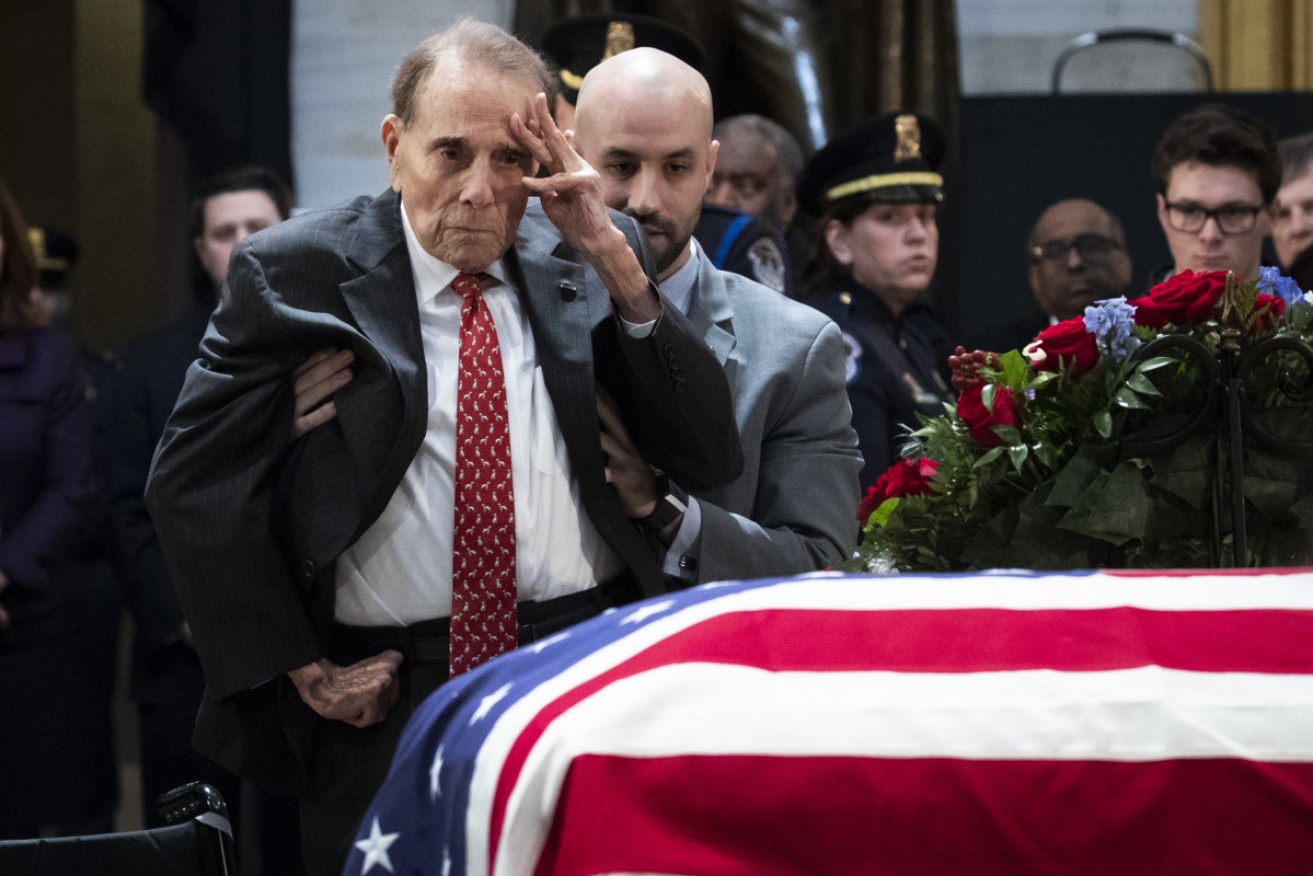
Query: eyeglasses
1231, 218
1090, 246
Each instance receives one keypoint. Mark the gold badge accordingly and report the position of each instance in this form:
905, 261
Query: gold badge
908, 132
619, 38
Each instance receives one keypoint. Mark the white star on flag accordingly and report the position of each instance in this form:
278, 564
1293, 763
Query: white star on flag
375, 847
435, 786
537, 647
647, 611
492, 699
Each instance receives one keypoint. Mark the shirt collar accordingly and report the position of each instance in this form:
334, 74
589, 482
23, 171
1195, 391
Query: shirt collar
432, 275
678, 287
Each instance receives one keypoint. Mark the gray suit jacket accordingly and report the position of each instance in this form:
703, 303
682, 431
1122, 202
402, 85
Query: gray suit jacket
794, 507
251, 528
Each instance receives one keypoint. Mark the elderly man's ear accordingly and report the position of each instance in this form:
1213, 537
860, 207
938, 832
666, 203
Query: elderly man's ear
390, 132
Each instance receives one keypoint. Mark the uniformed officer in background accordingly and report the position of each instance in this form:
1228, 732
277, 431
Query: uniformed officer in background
876, 191
734, 239
92, 575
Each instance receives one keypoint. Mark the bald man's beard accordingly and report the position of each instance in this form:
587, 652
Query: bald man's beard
667, 238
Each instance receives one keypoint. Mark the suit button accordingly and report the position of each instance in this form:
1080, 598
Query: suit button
678, 383
568, 291
308, 568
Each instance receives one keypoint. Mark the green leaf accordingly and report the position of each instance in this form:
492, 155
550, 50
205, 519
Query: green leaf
987, 396
1126, 398
988, 457
1118, 511
1017, 453
1186, 473
1009, 434
1270, 483
1076, 478
1103, 424
1155, 363
1013, 369
1142, 385
880, 516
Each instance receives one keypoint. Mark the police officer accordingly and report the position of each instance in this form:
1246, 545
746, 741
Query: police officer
576, 45
82, 685
734, 240
877, 191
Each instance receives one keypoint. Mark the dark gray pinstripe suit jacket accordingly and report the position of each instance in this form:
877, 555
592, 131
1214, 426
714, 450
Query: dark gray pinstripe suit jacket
251, 528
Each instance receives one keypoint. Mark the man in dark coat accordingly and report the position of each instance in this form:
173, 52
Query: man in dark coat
318, 581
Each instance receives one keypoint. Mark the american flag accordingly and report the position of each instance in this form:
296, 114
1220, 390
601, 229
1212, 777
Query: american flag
1010, 722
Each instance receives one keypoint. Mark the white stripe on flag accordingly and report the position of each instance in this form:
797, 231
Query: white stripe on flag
1134, 715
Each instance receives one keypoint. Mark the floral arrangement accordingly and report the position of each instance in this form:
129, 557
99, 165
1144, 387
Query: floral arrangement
1106, 441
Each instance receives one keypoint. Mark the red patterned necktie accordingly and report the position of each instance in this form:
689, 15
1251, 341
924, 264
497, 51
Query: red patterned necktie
483, 615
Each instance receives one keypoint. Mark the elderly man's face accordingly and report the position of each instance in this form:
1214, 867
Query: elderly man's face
457, 166
1076, 259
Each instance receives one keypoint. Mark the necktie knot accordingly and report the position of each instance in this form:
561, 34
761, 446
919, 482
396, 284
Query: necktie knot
467, 285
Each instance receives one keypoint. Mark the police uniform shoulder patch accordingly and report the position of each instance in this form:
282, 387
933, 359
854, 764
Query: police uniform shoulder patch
767, 263
852, 365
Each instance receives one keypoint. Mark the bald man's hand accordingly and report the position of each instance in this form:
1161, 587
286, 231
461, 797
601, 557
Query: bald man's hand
572, 198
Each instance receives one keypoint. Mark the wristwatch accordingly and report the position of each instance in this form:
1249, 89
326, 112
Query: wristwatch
671, 504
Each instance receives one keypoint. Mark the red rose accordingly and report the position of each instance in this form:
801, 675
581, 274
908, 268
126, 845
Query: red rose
1269, 309
906, 477
1069, 342
867, 506
979, 419
1182, 299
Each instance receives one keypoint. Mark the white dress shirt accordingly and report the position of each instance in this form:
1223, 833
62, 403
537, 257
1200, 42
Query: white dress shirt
399, 571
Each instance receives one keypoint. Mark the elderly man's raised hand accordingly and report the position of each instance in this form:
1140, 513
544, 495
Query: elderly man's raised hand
572, 195
572, 199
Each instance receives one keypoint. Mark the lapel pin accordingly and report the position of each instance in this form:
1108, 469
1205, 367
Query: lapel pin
568, 290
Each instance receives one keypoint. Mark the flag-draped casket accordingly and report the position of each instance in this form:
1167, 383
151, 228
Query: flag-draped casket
1010, 723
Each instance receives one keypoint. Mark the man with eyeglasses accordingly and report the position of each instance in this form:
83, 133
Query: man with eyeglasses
1217, 171
1077, 256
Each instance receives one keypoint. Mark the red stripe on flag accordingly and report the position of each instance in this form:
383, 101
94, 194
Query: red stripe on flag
823, 815
989, 639
953, 640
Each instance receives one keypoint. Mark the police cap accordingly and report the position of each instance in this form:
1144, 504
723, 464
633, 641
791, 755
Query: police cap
56, 254
577, 45
893, 159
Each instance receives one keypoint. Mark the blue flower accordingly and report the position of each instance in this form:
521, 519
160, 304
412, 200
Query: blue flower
1110, 322
1272, 282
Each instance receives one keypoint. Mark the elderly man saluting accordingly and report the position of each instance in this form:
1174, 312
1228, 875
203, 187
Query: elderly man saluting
462, 500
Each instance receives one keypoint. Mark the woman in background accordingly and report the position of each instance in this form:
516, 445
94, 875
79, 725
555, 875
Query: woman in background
877, 192
45, 479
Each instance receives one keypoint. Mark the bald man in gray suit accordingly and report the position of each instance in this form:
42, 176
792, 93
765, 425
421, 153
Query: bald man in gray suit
643, 119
